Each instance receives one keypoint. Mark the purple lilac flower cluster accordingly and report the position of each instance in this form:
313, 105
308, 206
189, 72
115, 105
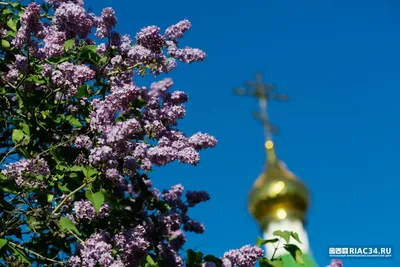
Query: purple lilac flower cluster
83, 141
161, 113
336, 263
83, 209
133, 244
20, 65
20, 170
105, 23
70, 76
195, 197
97, 251
246, 256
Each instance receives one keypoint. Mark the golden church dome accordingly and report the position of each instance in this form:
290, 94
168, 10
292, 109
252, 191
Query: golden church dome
277, 193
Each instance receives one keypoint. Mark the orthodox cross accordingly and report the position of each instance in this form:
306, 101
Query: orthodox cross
263, 92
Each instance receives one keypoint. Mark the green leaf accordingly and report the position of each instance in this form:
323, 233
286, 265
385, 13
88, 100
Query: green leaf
56, 60
3, 242
92, 48
20, 254
261, 241
64, 188
150, 261
6, 11
295, 252
212, 258
9, 186
67, 224
77, 168
5, 44
50, 198
17, 136
75, 122
25, 129
296, 237
12, 24
11, 33
194, 257
15, 4
285, 235
90, 172
82, 91
264, 262
96, 199
69, 44
45, 113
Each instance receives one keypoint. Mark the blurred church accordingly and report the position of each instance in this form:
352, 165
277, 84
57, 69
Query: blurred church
278, 200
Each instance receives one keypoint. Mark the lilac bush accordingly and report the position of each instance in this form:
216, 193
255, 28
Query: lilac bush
79, 139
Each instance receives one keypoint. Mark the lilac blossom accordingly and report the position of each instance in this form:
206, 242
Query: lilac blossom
189, 155
102, 48
108, 17
30, 24
116, 177
170, 223
200, 141
12, 75
57, 3
133, 244
53, 43
105, 23
336, 263
97, 250
100, 155
177, 240
83, 141
173, 195
177, 97
105, 111
83, 209
177, 30
160, 88
170, 256
47, 69
195, 197
194, 226
246, 256
19, 170
21, 63
139, 55
151, 38
121, 131
71, 76
73, 19
190, 55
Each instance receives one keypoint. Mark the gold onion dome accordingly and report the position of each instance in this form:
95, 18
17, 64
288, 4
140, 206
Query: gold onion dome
277, 193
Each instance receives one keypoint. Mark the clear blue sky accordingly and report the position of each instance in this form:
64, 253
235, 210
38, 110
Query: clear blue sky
339, 61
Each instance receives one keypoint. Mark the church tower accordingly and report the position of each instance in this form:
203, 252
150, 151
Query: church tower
278, 200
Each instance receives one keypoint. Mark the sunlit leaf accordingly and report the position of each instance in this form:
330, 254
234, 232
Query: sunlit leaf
97, 199
67, 224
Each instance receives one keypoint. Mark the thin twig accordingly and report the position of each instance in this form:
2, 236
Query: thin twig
276, 248
34, 253
80, 240
9, 152
70, 195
